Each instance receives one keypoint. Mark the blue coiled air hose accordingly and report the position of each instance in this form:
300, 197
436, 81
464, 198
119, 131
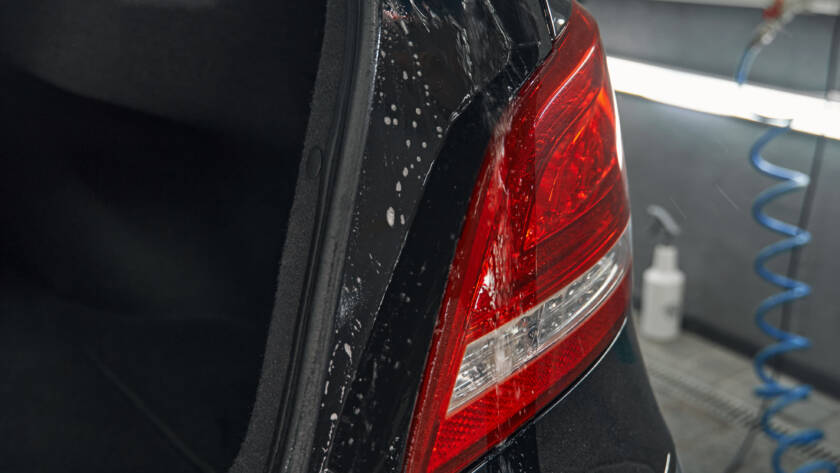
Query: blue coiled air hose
778, 395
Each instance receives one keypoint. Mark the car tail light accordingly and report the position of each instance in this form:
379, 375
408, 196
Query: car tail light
539, 285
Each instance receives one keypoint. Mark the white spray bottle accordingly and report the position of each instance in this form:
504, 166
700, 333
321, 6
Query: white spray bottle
662, 283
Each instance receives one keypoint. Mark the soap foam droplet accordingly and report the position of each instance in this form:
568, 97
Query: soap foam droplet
405, 172
389, 215
399, 186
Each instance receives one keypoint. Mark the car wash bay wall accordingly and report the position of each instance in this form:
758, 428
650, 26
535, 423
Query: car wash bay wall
696, 166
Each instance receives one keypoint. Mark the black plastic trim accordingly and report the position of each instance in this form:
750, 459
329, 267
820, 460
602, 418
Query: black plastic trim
339, 181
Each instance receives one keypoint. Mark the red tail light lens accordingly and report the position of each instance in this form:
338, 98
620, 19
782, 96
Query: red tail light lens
539, 284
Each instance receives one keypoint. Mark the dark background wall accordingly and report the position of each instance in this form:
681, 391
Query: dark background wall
696, 165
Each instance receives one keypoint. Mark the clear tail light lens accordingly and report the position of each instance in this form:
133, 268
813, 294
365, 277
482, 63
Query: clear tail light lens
496, 355
539, 285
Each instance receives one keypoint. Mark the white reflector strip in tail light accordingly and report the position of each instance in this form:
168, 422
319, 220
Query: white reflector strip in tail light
498, 354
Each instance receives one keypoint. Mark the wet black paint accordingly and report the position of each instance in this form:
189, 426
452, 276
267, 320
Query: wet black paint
445, 72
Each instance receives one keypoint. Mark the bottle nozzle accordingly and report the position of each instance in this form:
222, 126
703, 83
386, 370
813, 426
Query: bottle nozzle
664, 222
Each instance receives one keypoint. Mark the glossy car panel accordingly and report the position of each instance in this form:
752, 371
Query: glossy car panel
444, 73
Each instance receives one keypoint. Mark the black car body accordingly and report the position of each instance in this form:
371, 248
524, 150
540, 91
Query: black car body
150, 192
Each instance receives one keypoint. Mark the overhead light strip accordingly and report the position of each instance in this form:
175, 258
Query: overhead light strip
723, 97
